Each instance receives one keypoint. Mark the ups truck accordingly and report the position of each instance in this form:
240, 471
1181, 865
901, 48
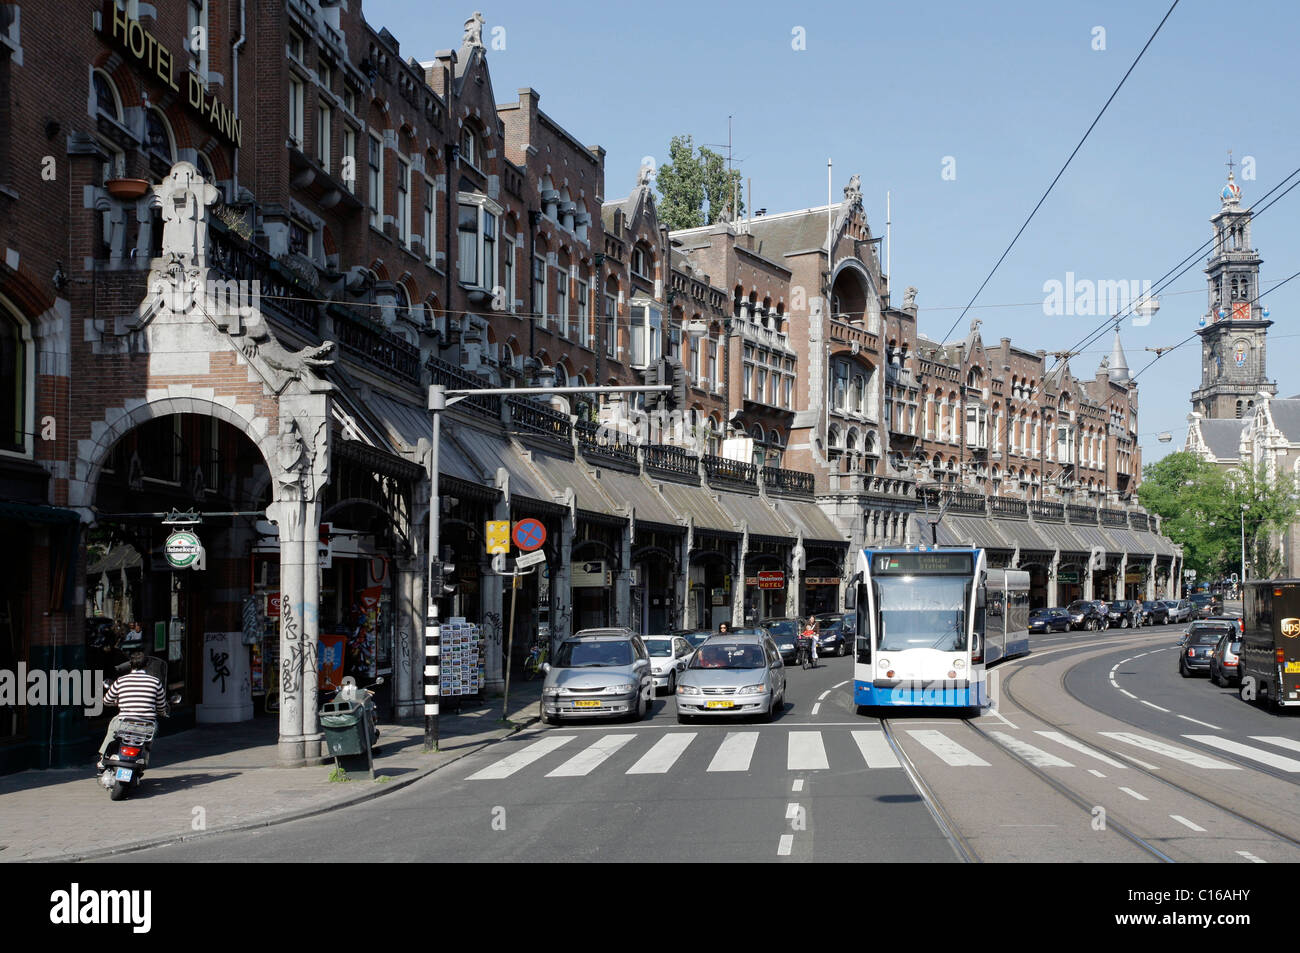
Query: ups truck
1270, 643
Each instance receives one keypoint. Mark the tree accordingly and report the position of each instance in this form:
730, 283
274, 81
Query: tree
1200, 505
689, 179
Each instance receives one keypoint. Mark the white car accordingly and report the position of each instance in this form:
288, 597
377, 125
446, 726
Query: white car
668, 657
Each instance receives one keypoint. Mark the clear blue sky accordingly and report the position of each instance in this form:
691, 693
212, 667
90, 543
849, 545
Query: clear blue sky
1006, 89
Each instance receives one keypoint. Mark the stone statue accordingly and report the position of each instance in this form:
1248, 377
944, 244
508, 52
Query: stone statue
294, 458
473, 32
643, 177
724, 216
853, 191
975, 324
185, 196
909, 295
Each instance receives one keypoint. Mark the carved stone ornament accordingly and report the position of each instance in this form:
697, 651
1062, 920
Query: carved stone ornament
185, 196
853, 191
473, 32
909, 298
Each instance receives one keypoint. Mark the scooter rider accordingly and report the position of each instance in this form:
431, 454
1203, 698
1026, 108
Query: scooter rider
136, 694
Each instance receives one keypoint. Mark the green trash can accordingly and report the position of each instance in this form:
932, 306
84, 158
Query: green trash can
347, 728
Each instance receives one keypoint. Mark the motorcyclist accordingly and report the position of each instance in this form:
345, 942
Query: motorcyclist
137, 694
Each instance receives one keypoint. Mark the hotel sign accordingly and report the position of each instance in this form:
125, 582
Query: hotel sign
138, 44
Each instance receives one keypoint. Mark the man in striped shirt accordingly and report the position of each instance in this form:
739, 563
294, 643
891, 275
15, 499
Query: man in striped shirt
136, 694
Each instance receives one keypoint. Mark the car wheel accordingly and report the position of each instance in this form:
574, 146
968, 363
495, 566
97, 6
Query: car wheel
1123, 623
1182, 670
551, 719
672, 683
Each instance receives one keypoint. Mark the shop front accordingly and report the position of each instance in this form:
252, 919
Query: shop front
656, 561
1070, 576
820, 583
766, 579
712, 580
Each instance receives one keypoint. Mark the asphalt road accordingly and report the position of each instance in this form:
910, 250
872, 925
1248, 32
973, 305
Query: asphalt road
1096, 750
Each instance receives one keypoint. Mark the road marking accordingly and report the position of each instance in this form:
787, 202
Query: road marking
663, 755
1080, 747
1290, 765
1156, 707
1186, 823
1128, 693
1279, 741
797, 786
816, 708
792, 810
1132, 793
1195, 759
822, 696
1095, 773
1251, 857
805, 751
1205, 723
1115, 669
735, 751
1140, 763
1035, 756
783, 846
584, 762
875, 749
948, 750
841, 684
520, 759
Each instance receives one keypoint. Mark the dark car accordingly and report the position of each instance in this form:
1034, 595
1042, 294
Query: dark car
1086, 615
694, 636
1225, 660
1123, 613
834, 633
1154, 612
1197, 644
785, 633
1049, 620
1205, 605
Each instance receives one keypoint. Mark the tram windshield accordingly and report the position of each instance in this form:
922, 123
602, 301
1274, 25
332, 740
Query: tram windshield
922, 612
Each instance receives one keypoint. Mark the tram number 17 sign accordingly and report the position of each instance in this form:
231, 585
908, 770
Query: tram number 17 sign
529, 534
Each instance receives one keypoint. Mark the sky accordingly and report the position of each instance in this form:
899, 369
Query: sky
963, 113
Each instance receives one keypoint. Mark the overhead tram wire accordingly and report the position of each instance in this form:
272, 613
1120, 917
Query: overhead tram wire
1096, 120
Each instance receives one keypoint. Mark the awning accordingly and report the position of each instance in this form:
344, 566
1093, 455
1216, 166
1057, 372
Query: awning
405, 424
1127, 542
697, 503
563, 473
762, 519
635, 491
971, 531
1151, 543
1021, 533
1093, 537
808, 517
1061, 535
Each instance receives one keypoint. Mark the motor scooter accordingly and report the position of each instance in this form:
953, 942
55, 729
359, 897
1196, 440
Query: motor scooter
127, 754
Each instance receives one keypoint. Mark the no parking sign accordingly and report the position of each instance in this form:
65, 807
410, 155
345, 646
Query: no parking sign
529, 534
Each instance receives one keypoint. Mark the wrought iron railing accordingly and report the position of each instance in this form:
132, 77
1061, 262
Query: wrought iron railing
1043, 510
380, 348
659, 456
788, 481
1081, 514
1006, 506
595, 440
278, 295
531, 417
1114, 518
959, 502
1140, 522
454, 378
734, 471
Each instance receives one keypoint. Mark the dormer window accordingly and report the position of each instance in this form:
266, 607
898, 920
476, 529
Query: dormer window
639, 262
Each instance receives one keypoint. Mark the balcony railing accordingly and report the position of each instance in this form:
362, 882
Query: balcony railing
597, 441
788, 481
454, 378
281, 296
1140, 522
380, 348
1042, 510
733, 471
1081, 514
531, 417
1114, 518
669, 459
959, 502
1005, 506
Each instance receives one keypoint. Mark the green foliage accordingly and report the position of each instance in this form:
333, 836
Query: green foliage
691, 178
338, 775
1200, 505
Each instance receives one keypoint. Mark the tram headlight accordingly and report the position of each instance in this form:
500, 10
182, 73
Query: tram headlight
884, 663
959, 664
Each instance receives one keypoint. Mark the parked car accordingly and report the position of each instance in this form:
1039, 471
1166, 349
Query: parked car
1049, 620
1123, 613
1179, 610
1154, 612
1085, 614
696, 637
834, 633
1205, 605
732, 675
785, 633
1225, 660
598, 673
1197, 642
668, 657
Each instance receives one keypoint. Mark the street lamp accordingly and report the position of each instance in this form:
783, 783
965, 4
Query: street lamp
1244, 507
439, 400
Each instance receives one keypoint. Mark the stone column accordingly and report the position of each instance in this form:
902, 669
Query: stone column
689, 620
738, 581
493, 591
1052, 591
623, 582
311, 733
408, 600
797, 559
1123, 570
290, 516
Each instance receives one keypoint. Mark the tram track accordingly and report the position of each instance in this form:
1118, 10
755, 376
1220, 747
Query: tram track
1164, 781
962, 847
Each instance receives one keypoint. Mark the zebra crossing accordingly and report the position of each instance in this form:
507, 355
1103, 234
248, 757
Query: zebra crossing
806, 748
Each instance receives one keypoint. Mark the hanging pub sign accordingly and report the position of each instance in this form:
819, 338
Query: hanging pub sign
183, 550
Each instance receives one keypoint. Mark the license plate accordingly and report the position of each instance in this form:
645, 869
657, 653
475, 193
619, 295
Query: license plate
722, 704
1293, 668
586, 704
123, 774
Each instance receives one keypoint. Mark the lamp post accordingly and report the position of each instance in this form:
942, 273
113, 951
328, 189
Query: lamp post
1244, 507
440, 398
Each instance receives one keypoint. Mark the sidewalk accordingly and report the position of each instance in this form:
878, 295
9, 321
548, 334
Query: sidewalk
218, 778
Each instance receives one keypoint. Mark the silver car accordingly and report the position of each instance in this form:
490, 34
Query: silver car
668, 657
598, 673
732, 675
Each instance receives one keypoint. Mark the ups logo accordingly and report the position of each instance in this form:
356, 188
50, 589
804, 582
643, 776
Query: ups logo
1291, 628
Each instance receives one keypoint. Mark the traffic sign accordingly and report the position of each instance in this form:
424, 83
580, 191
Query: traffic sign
529, 534
497, 534
531, 559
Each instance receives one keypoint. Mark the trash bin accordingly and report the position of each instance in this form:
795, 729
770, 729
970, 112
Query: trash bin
347, 728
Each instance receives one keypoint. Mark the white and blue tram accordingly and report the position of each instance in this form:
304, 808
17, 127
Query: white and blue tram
930, 621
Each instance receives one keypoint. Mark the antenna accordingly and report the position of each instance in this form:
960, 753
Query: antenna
889, 247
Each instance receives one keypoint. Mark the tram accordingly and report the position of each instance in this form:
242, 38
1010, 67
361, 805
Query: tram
930, 621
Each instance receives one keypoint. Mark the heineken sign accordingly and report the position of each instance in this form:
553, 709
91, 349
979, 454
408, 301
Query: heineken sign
182, 549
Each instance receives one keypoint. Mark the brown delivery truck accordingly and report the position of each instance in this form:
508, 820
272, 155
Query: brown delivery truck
1270, 643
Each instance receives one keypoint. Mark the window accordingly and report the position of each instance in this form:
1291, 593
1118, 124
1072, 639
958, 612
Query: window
295, 45
469, 147
325, 73
787, 393
647, 335
562, 304
467, 251
714, 348
198, 27
350, 158
158, 137
841, 386
428, 222
489, 222
748, 382
376, 182
403, 209
611, 327
508, 272
323, 116
639, 265
584, 310
295, 111
14, 365
106, 101
539, 288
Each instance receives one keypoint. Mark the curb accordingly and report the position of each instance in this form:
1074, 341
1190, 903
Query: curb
377, 790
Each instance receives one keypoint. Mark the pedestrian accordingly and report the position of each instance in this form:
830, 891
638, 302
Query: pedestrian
133, 639
723, 628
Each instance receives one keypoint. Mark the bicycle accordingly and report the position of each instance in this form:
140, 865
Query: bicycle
537, 657
806, 657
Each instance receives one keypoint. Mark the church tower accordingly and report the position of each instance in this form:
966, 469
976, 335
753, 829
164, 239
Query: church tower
1234, 331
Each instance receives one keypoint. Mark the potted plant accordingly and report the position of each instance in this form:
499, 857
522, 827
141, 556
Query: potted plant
127, 189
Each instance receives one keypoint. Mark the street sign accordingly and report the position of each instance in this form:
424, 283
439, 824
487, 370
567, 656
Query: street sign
529, 534
530, 559
497, 534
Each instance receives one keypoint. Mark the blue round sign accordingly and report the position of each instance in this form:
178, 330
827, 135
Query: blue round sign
529, 534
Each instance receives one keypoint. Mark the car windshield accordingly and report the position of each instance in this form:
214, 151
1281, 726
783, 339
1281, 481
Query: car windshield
780, 627
696, 638
659, 648
729, 655
593, 654
1078, 607
1207, 636
922, 612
